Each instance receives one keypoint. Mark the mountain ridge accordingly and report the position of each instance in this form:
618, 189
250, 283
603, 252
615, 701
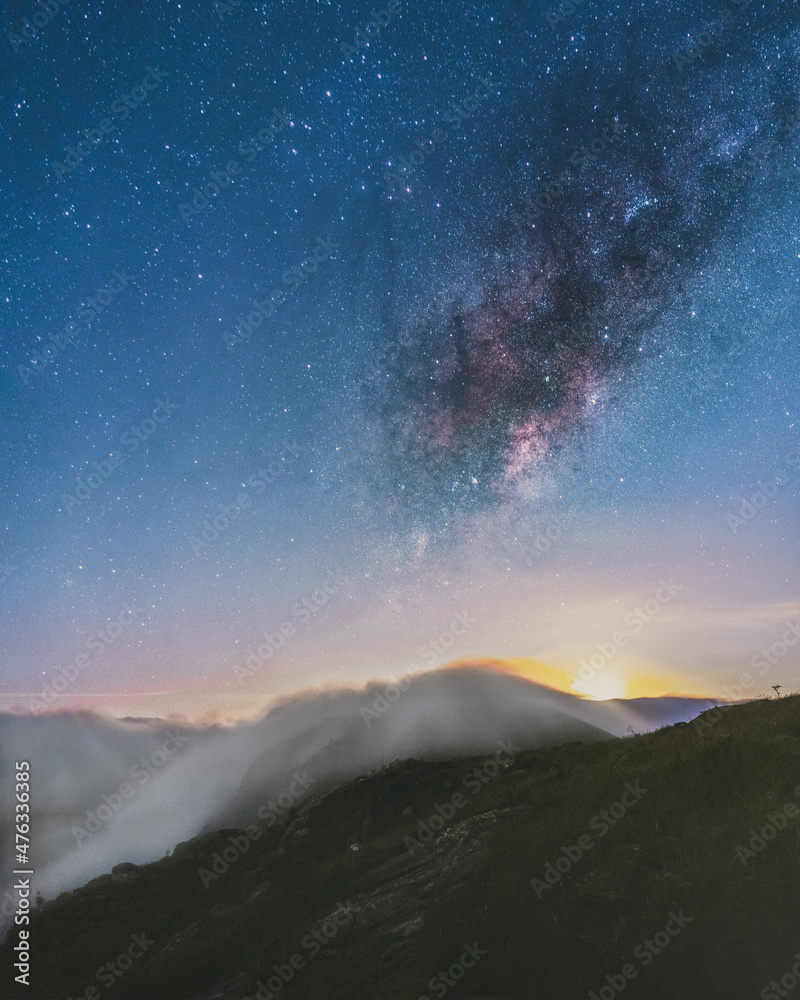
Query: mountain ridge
602, 839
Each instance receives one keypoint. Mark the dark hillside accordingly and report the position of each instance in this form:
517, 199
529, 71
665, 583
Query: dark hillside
602, 867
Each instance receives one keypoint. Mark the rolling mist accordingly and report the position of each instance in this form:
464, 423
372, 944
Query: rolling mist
107, 791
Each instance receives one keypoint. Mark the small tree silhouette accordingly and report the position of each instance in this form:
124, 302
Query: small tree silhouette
776, 688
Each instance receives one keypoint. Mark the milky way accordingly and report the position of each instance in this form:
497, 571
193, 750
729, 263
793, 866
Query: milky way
486, 388
492, 268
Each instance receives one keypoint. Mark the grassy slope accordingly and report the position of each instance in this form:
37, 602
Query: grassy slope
675, 848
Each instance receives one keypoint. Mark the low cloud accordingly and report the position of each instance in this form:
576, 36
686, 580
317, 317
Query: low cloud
106, 791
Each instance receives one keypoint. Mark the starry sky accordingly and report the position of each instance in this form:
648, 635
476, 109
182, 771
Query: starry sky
326, 327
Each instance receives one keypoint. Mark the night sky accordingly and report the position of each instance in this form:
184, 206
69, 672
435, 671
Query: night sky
325, 323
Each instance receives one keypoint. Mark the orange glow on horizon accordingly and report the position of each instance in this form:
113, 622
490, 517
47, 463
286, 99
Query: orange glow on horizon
607, 683
539, 673
220, 701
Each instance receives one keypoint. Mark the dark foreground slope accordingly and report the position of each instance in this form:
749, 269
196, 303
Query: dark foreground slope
638, 887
